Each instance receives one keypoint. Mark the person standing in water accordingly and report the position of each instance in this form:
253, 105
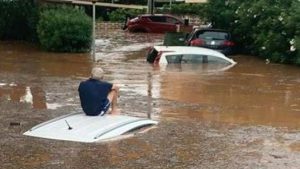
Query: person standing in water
97, 95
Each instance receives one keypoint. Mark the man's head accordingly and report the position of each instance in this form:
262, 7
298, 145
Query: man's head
97, 73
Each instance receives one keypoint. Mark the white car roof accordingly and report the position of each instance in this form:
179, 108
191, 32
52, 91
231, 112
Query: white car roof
193, 50
82, 128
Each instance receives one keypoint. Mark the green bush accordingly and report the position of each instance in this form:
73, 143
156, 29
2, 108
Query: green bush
18, 20
266, 28
64, 29
293, 25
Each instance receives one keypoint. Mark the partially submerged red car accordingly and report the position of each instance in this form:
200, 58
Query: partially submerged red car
157, 23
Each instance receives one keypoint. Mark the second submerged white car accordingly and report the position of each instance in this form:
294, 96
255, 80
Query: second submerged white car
186, 55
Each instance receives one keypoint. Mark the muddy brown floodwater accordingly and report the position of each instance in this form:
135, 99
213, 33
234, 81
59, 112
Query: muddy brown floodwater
243, 117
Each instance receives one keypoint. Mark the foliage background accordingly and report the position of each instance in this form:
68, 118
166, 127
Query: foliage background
269, 29
64, 29
18, 19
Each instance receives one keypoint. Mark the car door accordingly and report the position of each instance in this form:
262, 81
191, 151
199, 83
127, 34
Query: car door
162, 24
171, 24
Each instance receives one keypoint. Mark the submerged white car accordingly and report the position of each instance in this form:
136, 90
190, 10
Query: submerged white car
163, 55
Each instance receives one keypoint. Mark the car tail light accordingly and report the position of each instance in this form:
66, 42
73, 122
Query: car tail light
228, 43
197, 42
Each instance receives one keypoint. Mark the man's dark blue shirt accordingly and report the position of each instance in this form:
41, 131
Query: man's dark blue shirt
93, 95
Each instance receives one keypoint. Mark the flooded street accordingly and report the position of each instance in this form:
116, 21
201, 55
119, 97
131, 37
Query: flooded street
244, 117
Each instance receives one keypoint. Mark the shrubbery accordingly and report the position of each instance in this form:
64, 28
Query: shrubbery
18, 20
64, 29
266, 28
61, 28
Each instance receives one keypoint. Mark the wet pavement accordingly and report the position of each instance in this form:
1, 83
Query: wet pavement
243, 117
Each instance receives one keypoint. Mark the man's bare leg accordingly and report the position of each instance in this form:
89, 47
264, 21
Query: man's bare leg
113, 97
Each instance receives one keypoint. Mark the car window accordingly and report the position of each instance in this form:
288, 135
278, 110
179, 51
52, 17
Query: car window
186, 59
173, 58
213, 35
172, 20
213, 59
157, 18
195, 59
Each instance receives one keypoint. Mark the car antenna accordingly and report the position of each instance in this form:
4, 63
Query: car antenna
69, 127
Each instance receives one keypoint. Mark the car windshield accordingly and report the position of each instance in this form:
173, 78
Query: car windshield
213, 35
195, 59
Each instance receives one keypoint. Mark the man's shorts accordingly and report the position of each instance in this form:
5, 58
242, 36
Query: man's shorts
105, 108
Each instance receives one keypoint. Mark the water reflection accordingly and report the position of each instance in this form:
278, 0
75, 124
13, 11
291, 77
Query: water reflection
21, 93
25, 71
23, 58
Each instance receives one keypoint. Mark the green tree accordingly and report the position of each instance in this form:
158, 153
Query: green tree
18, 19
65, 29
267, 28
221, 13
292, 26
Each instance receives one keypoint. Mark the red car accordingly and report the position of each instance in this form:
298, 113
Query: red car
157, 23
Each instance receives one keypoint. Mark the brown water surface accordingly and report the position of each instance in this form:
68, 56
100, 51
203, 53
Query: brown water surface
251, 92
209, 117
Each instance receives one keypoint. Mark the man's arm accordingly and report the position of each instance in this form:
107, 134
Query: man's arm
115, 87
